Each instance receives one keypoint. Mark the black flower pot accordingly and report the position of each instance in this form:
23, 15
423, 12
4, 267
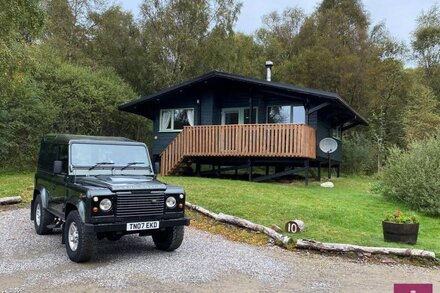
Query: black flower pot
402, 233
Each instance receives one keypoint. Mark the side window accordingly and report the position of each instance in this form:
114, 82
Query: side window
48, 154
42, 160
63, 156
336, 133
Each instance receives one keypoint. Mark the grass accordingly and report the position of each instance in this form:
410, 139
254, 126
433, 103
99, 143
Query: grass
348, 213
13, 184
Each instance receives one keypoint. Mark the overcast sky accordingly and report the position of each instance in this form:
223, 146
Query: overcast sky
399, 15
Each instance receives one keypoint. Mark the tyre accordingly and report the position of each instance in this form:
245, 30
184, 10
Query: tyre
79, 243
42, 217
169, 239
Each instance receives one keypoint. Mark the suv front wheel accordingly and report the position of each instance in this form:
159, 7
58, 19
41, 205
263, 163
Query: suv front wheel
79, 243
170, 239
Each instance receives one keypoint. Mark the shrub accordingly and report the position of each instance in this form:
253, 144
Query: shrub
358, 154
412, 176
401, 218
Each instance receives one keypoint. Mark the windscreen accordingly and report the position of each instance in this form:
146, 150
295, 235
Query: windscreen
88, 155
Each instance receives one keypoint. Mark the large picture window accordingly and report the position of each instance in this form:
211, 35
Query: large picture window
238, 116
176, 119
286, 114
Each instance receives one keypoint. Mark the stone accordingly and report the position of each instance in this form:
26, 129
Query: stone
327, 184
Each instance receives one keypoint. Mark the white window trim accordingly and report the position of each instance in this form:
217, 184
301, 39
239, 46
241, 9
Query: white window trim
291, 113
161, 129
240, 111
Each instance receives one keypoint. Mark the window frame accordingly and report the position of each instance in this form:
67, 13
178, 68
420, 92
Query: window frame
240, 114
161, 129
291, 113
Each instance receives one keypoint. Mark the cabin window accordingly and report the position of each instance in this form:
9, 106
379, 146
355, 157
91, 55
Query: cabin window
286, 114
337, 132
176, 119
238, 115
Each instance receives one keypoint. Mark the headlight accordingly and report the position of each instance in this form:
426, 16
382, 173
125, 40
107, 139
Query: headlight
105, 205
171, 202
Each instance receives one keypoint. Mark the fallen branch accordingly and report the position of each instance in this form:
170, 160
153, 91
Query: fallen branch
279, 238
10, 200
336, 247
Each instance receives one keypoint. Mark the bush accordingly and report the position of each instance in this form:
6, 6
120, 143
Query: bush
359, 154
412, 176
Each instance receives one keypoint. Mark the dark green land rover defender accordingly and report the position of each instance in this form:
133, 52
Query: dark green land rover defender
103, 187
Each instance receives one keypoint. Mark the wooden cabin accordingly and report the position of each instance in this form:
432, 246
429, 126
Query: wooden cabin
233, 122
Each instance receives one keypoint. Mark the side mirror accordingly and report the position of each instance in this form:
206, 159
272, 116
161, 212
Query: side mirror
57, 167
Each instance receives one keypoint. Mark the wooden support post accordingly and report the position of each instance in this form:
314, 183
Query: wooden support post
306, 172
198, 167
250, 169
318, 178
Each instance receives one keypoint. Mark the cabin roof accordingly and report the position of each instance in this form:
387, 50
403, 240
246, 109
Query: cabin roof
278, 87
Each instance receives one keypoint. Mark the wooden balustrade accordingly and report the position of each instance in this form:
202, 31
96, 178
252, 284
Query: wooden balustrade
240, 140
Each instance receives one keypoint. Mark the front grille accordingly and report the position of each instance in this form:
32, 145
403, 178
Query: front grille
139, 205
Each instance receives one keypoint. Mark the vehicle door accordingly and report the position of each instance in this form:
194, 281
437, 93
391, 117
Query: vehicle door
58, 182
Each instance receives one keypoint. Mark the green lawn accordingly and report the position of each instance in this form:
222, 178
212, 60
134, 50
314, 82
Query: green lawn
348, 213
12, 184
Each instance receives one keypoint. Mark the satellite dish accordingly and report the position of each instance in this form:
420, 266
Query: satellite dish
328, 145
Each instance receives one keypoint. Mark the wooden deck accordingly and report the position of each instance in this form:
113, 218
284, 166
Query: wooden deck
242, 140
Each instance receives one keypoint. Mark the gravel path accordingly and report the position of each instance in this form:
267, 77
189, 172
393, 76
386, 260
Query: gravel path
204, 262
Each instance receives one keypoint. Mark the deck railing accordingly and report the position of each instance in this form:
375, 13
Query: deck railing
242, 140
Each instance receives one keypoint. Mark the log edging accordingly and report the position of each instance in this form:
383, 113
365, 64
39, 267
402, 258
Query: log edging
279, 238
283, 241
338, 247
10, 200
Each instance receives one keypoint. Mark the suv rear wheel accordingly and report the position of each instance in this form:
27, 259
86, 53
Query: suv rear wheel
42, 218
170, 239
79, 243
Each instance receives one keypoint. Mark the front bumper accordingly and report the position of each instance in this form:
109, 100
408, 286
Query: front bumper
122, 227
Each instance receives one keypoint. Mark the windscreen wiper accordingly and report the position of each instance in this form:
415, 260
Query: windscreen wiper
101, 163
132, 163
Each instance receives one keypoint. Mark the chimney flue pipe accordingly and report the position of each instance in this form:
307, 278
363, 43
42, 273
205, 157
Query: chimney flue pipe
269, 65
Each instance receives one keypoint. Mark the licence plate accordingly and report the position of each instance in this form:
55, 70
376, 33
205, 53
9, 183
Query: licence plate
142, 226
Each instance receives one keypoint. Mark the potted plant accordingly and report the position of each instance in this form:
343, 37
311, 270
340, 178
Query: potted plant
401, 228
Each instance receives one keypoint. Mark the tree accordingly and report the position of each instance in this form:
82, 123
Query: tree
115, 41
68, 25
174, 33
426, 47
421, 118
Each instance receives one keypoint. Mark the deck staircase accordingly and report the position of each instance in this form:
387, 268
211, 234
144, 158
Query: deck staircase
242, 140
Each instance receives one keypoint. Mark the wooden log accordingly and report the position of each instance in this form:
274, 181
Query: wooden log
10, 200
280, 239
337, 247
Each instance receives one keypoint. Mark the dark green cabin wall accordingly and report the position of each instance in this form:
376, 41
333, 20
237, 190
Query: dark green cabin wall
211, 102
323, 130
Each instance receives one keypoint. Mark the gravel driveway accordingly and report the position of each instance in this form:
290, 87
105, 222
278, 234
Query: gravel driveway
204, 262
